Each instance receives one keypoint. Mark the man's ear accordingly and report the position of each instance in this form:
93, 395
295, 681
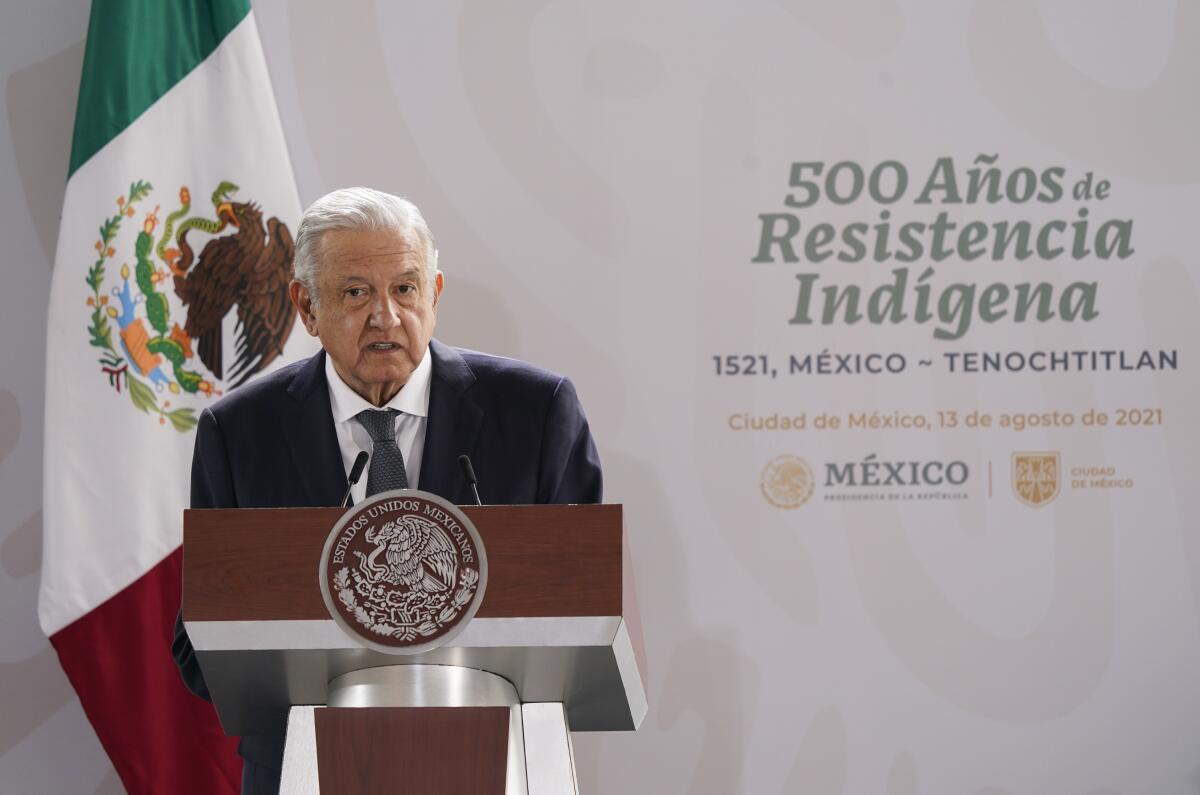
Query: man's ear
439, 281
302, 300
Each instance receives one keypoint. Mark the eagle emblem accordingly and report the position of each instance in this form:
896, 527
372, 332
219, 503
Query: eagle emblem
169, 304
787, 482
403, 572
417, 555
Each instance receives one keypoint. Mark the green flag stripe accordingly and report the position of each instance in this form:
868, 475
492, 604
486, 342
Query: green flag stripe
137, 50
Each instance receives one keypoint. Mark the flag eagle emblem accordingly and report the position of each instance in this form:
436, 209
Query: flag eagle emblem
153, 355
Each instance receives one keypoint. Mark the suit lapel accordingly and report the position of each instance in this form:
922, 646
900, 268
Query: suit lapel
453, 423
311, 438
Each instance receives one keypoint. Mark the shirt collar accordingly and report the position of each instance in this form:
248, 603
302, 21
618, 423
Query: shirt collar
413, 397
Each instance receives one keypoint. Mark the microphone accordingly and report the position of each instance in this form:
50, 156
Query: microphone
468, 471
360, 463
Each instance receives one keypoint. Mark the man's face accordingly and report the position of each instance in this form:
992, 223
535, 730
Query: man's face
377, 308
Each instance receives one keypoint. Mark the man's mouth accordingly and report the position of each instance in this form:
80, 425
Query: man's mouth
383, 346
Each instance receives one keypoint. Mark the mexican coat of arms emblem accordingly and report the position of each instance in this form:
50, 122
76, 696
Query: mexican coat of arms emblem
404, 572
158, 324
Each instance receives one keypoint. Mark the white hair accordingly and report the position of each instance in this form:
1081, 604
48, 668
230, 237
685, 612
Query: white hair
358, 208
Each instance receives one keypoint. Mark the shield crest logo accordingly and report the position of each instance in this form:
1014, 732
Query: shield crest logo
1035, 477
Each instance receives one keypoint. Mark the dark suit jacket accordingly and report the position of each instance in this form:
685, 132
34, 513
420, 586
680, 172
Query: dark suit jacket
272, 443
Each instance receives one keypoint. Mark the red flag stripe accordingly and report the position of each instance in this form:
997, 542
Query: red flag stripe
159, 736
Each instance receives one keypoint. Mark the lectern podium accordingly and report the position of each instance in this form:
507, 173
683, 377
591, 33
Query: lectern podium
550, 650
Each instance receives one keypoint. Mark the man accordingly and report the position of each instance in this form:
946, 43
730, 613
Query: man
367, 285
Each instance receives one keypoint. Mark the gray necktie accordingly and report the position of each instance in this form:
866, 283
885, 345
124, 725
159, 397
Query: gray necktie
387, 463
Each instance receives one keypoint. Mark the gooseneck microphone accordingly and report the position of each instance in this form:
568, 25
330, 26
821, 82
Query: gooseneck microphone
468, 471
360, 463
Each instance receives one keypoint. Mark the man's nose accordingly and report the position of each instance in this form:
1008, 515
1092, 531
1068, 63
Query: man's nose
385, 314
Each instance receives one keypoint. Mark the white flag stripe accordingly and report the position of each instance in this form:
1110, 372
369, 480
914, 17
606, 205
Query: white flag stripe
116, 480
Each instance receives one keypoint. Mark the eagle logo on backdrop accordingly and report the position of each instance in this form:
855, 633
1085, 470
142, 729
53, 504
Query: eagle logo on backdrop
403, 571
168, 304
1035, 477
787, 482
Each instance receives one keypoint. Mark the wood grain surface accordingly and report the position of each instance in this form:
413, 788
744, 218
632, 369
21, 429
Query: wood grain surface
261, 564
430, 750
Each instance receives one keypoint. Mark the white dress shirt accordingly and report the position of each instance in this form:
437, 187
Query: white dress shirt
412, 401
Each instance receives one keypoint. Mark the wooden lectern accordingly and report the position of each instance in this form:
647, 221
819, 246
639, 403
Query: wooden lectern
549, 651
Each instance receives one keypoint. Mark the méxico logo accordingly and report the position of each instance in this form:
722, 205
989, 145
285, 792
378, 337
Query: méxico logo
787, 481
404, 572
158, 323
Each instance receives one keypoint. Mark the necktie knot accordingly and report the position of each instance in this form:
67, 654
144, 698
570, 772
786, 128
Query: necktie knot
380, 423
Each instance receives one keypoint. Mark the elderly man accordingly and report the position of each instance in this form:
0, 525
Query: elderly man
367, 285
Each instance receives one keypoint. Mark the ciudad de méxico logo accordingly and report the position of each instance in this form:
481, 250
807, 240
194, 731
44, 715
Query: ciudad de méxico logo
157, 320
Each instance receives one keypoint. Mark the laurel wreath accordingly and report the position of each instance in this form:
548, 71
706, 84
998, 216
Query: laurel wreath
418, 613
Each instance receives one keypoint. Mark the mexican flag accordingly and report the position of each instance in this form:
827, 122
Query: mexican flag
169, 290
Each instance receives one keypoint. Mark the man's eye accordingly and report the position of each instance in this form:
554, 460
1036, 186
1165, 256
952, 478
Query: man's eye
405, 289
356, 292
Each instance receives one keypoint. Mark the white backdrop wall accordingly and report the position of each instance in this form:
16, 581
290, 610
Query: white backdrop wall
596, 177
